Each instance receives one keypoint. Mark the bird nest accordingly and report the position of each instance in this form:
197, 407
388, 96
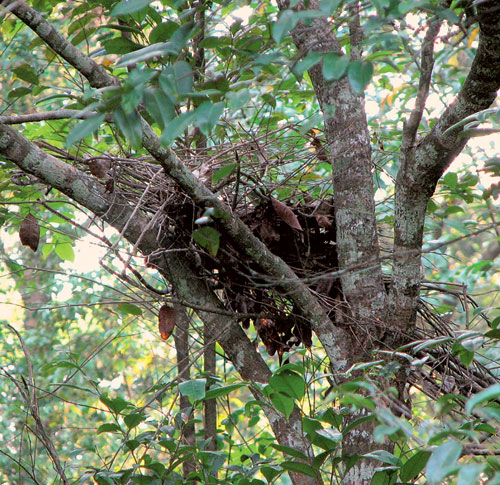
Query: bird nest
279, 183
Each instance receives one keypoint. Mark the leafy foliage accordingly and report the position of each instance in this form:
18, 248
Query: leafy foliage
85, 341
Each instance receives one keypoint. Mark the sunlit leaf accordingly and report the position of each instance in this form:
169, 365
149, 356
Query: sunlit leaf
492, 392
443, 461
126, 7
360, 74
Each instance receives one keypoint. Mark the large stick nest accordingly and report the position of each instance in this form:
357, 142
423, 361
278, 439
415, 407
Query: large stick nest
279, 184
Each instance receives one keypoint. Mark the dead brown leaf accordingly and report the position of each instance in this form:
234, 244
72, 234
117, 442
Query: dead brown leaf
29, 233
286, 214
167, 318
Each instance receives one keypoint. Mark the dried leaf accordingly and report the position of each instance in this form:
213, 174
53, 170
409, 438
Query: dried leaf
99, 167
286, 214
323, 221
167, 318
30, 232
110, 186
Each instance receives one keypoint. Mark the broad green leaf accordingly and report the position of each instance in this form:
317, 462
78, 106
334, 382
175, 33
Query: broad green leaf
223, 172
132, 444
208, 238
299, 467
130, 126
195, 389
65, 251
334, 66
176, 127
443, 461
129, 309
159, 106
289, 383
109, 428
282, 403
84, 128
134, 419
470, 473
492, 392
270, 472
162, 32
120, 45
289, 451
26, 73
18, 93
116, 404
450, 179
384, 456
222, 391
208, 115
414, 466
360, 74
328, 7
305, 64
126, 7
286, 22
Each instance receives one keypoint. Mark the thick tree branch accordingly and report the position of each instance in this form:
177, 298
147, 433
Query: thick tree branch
423, 165
95, 73
330, 337
348, 140
116, 211
60, 114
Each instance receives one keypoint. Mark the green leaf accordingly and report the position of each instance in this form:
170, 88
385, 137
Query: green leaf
26, 73
470, 473
162, 32
289, 451
126, 7
413, 467
289, 383
208, 238
334, 66
132, 444
286, 22
109, 428
223, 172
222, 391
359, 74
176, 127
443, 461
208, 115
116, 404
134, 419
384, 456
195, 389
65, 251
159, 106
120, 45
305, 64
129, 309
282, 403
18, 93
488, 394
84, 128
130, 126
450, 179
270, 472
299, 467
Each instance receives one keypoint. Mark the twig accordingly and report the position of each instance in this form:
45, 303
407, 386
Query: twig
32, 403
427, 63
